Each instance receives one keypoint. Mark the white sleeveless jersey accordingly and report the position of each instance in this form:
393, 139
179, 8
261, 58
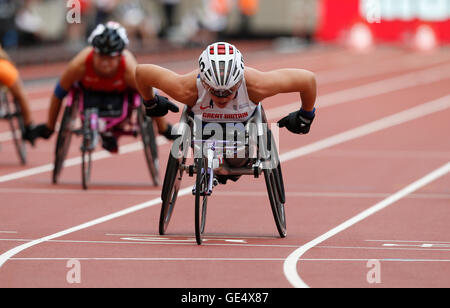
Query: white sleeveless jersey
240, 109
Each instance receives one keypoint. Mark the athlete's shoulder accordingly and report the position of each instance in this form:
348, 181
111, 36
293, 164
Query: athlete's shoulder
255, 82
77, 67
188, 88
84, 53
253, 76
81, 57
130, 59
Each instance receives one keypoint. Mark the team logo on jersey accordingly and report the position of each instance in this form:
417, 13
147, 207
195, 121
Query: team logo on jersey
211, 105
91, 79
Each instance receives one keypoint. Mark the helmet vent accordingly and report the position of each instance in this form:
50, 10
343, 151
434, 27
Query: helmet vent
230, 64
208, 73
213, 64
222, 72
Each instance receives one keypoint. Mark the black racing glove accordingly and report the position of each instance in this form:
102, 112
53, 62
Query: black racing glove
43, 131
29, 134
159, 106
298, 122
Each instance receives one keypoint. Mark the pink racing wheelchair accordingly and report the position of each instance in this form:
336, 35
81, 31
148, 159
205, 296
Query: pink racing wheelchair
103, 115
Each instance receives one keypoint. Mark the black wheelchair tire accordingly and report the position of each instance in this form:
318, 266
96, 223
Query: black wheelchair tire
272, 147
171, 186
150, 147
275, 200
63, 141
201, 198
17, 125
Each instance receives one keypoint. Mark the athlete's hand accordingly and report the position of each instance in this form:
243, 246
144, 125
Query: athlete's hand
159, 106
43, 131
298, 122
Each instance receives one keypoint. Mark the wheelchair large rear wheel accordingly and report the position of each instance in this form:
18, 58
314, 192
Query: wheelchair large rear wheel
150, 148
275, 161
171, 186
17, 126
63, 140
270, 176
201, 198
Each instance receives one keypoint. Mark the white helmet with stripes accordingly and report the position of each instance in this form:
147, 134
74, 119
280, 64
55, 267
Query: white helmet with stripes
221, 68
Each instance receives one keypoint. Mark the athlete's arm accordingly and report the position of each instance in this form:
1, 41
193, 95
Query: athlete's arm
73, 73
182, 88
266, 84
262, 85
9, 77
130, 64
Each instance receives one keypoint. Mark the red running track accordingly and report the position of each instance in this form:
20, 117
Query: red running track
342, 168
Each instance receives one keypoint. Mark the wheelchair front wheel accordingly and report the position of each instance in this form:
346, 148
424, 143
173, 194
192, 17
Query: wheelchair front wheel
201, 198
86, 168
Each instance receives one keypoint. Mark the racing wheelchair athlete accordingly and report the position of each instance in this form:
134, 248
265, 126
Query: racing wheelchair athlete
224, 91
14, 106
102, 88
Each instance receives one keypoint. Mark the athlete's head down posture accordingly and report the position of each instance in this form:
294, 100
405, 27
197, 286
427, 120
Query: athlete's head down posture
106, 66
223, 89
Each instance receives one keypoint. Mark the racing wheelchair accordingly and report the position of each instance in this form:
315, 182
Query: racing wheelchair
252, 153
102, 115
10, 110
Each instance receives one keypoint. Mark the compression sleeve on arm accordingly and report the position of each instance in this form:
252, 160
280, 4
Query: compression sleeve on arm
60, 92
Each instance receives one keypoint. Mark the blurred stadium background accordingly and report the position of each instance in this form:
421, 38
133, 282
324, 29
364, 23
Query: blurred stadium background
51, 30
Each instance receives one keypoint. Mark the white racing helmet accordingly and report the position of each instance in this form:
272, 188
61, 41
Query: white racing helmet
110, 39
221, 68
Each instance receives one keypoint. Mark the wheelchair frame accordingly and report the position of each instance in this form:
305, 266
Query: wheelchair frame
92, 125
205, 167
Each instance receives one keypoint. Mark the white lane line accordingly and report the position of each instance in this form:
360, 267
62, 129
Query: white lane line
372, 89
149, 259
6, 136
372, 127
391, 65
329, 194
426, 245
9, 232
7, 255
216, 236
419, 248
290, 265
93, 191
378, 125
423, 154
157, 240
403, 241
160, 241
147, 192
221, 259
124, 149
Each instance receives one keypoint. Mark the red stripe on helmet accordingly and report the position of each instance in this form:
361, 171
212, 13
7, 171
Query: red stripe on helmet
221, 50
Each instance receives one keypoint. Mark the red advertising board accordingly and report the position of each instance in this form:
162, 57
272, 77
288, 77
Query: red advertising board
388, 20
